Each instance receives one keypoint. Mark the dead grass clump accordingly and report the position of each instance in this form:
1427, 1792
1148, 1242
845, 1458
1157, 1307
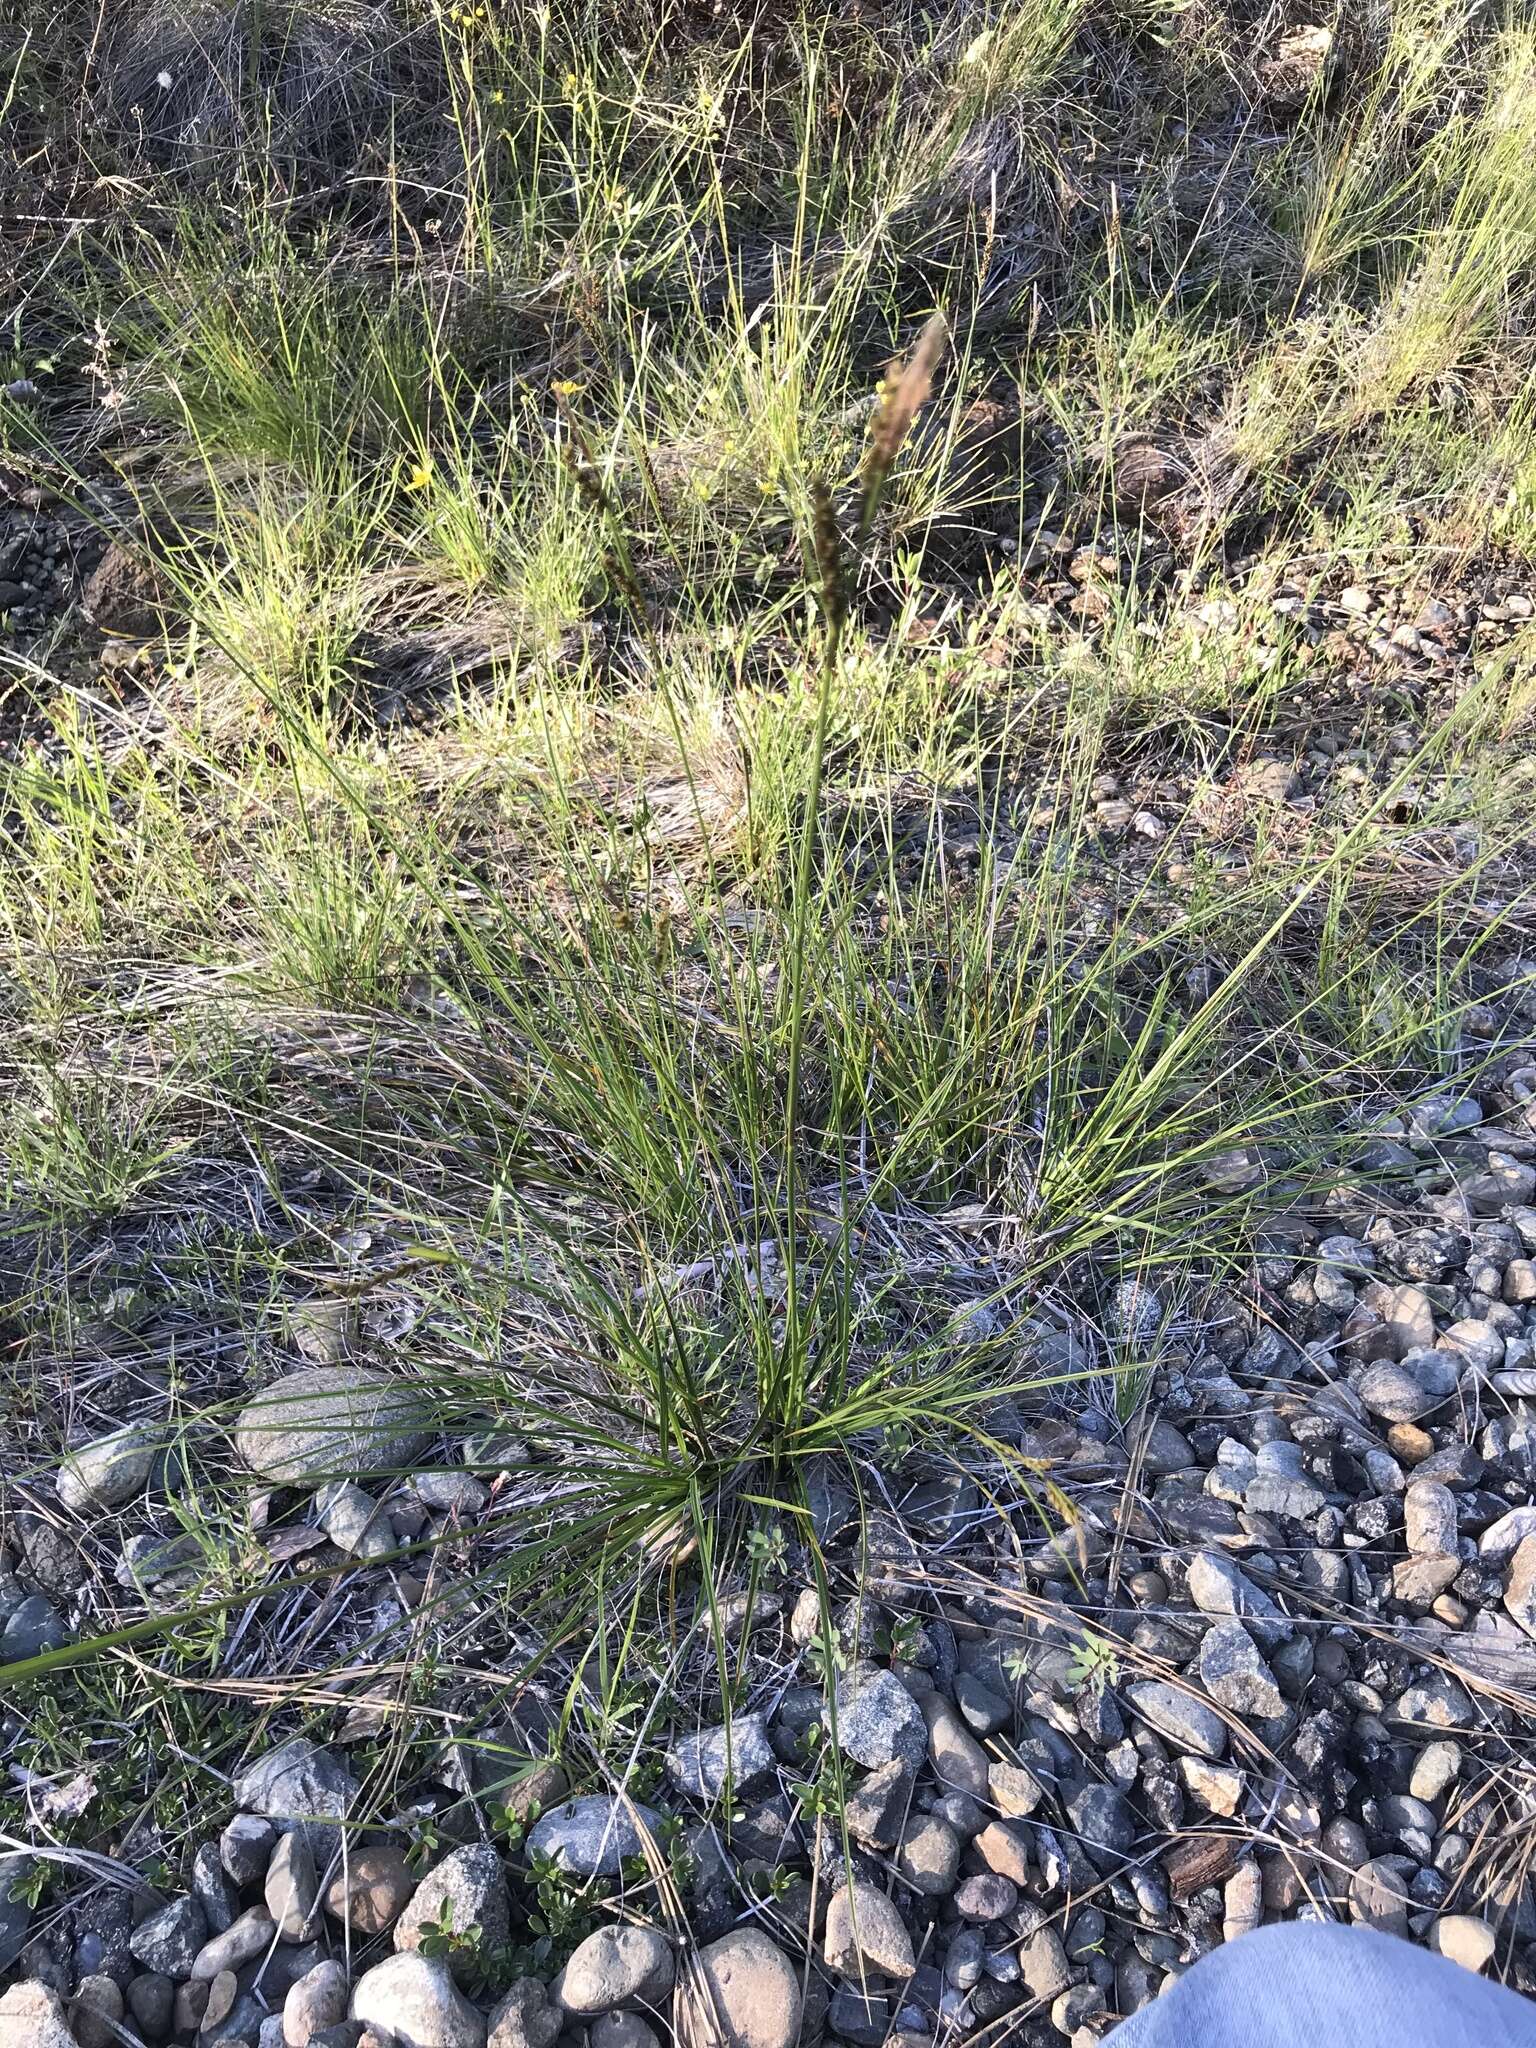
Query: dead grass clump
316, 90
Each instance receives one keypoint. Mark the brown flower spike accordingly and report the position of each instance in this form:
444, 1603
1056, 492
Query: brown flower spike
903, 391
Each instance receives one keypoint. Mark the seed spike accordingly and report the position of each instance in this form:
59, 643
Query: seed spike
903, 390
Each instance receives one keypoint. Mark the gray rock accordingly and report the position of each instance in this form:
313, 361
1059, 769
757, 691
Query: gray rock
1379, 1898
354, 1521
97, 2012
31, 2016
622, 2030
1102, 1819
169, 1940
34, 1628
745, 1994
292, 1888
1043, 1961
1192, 1727
412, 2000
330, 1421
150, 2000
109, 1471
525, 2017
1235, 1675
1501, 1539
248, 1938
468, 1889
1436, 1701
959, 1762
591, 1837
301, 1786
495, 1451
1393, 1394
702, 1765
212, 1889
15, 1913
1429, 1519
929, 1855
148, 1561
986, 1897
1220, 1587
372, 1889
319, 1999
865, 1931
984, 1712
245, 1848
879, 1722
616, 1966
1013, 1790
876, 1807
53, 1559
453, 1493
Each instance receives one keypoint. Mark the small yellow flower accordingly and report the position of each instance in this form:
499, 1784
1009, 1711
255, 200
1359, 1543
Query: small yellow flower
497, 97
571, 84
566, 387
420, 476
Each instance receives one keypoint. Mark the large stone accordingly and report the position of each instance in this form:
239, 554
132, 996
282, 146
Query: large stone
332, 1421
371, 1891
53, 1558
466, 1891
879, 1722
169, 1940
354, 1521
958, 1759
1393, 1394
591, 1837
299, 1785
413, 2000
1409, 1318
525, 2017
31, 2016
109, 1471
319, 1999
742, 1993
929, 1856
1235, 1675
210, 1885
32, 1628
1464, 1939
241, 1943
1520, 1591
1501, 1539
97, 2013
876, 1807
864, 1931
245, 1848
738, 1755
614, 1967
1102, 1820
1429, 1519
1378, 1897
1193, 1728
293, 1888
15, 1913
1220, 1587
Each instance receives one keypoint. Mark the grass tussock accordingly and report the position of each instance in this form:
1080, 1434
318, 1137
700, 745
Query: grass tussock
688, 823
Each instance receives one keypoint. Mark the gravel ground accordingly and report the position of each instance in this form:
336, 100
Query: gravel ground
1276, 1662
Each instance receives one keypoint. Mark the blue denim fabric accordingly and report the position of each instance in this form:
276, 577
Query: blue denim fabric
1311, 1985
